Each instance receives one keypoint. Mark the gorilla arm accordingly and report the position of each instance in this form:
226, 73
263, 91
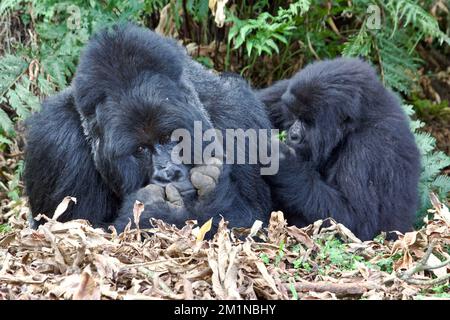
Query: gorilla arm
58, 163
306, 196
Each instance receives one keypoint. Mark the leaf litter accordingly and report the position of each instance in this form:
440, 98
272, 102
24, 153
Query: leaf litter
324, 260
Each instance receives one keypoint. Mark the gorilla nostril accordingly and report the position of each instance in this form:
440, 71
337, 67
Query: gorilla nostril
167, 175
173, 174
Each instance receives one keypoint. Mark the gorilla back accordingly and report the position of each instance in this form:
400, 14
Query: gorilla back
355, 157
98, 140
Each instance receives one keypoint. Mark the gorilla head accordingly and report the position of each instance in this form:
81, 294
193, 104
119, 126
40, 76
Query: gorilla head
323, 108
130, 101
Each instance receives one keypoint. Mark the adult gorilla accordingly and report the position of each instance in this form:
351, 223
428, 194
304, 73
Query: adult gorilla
105, 139
353, 155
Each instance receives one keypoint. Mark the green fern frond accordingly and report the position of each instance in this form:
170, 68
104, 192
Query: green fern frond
266, 32
411, 12
398, 67
359, 44
8, 4
11, 70
432, 163
442, 183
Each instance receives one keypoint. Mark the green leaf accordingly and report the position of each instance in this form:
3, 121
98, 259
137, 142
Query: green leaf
5, 122
273, 45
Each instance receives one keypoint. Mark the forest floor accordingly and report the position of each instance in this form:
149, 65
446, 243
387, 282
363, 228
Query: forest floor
75, 261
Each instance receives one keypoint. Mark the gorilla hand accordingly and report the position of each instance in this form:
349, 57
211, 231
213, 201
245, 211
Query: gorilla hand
287, 153
205, 177
174, 194
165, 203
177, 193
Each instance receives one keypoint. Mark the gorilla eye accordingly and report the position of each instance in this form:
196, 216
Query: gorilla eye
165, 139
141, 150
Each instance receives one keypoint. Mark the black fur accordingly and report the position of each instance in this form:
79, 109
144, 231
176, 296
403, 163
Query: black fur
132, 88
355, 157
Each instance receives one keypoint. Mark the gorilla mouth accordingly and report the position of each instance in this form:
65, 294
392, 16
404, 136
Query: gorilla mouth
164, 180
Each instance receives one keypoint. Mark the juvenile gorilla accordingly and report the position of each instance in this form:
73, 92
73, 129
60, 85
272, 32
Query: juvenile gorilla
105, 139
350, 154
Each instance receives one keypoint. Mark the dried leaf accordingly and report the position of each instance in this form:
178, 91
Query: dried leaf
257, 225
204, 229
301, 236
87, 288
217, 8
62, 207
277, 225
138, 208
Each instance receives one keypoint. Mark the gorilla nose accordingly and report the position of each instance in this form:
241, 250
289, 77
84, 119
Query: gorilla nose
173, 173
166, 175
294, 137
295, 134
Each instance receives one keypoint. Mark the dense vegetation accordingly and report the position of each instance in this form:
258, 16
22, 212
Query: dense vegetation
263, 40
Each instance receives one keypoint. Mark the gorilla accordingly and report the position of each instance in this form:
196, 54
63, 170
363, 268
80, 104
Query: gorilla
106, 139
349, 151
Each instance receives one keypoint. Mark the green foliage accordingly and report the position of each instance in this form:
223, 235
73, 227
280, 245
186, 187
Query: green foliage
387, 37
280, 254
198, 9
334, 252
426, 106
12, 186
391, 45
263, 33
300, 264
282, 135
265, 258
278, 257
14, 90
5, 228
411, 13
387, 263
293, 291
206, 61
432, 163
442, 289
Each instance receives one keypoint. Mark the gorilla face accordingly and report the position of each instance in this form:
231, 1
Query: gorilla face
165, 170
319, 122
132, 146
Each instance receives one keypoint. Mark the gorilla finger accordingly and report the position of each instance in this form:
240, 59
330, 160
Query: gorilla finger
210, 171
286, 152
204, 184
151, 193
214, 162
173, 195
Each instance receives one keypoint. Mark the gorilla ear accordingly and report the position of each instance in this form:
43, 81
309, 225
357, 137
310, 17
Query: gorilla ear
307, 93
289, 99
302, 100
